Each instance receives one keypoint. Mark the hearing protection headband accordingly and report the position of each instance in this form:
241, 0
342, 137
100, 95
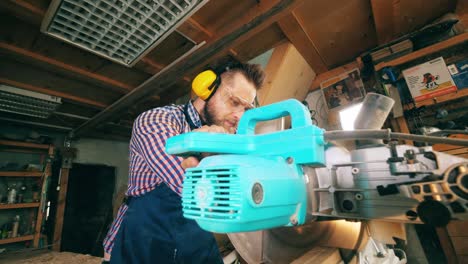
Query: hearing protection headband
205, 84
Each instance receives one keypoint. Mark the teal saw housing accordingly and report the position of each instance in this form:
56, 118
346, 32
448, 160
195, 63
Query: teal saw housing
252, 182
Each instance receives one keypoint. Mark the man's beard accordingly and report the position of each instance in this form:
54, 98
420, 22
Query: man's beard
209, 118
208, 114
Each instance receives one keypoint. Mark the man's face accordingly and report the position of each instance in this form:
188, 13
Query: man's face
234, 96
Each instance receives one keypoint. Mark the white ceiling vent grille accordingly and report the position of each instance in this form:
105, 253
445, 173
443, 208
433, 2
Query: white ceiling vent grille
24, 102
120, 30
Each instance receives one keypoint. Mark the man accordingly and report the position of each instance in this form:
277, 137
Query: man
150, 227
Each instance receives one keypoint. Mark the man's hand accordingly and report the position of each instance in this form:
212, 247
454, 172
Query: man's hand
189, 162
211, 129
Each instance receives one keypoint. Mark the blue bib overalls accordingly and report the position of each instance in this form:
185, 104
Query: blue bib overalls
154, 230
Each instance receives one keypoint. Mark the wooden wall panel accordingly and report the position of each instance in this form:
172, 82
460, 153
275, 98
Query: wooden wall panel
174, 46
462, 12
217, 14
414, 14
264, 41
19, 72
397, 18
299, 38
341, 30
288, 75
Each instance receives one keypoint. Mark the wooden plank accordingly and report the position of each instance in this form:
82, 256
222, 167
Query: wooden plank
34, 12
194, 31
230, 21
445, 147
446, 245
286, 68
303, 43
16, 239
383, 14
23, 144
21, 150
459, 151
28, 74
61, 201
20, 174
18, 205
458, 228
151, 63
403, 128
462, 12
462, 259
226, 13
414, 14
70, 97
55, 49
332, 73
265, 40
320, 255
168, 77
460, 244
18, 51
341, 31
68, 69
393, 19
457, 40
460, 93
43, 202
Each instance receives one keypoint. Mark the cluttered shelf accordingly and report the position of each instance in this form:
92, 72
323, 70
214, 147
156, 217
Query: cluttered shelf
19, 205
441, 99
23, 144
24, 191
424, 51
16, 239
21, 173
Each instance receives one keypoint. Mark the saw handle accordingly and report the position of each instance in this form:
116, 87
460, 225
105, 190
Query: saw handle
300, 115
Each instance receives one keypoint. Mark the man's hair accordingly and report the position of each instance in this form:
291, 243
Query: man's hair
252, 72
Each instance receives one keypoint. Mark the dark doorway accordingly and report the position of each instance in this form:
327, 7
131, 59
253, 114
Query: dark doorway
88, 210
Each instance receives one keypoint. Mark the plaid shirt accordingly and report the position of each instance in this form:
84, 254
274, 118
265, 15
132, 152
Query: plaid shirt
149, 163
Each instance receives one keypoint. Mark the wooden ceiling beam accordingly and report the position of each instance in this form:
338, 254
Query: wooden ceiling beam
192, 30
73, 98
115, 85
383, 13
332, 73
29, 74
296, 34
244, 28
266, 40
394, 19
17, 51
35, 15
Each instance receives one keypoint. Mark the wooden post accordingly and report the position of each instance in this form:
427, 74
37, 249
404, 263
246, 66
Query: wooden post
403, 126
43, 201
446, 244
64, 172
288, 75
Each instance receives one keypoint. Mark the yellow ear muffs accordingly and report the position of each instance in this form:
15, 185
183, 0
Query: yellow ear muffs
205, 84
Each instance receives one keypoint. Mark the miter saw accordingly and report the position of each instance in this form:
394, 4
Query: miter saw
296, 178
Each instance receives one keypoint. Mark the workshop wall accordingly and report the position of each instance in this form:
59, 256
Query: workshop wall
105, 152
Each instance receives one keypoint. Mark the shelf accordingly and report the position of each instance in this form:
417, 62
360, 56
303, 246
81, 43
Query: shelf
23, 144
21, 173
16, 239
424, 51
19, 205
444, 98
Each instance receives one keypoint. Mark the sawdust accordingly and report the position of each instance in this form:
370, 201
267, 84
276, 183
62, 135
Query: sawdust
57, 258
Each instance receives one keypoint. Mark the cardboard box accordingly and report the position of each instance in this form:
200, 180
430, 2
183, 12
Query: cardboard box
430, 79
459, 73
